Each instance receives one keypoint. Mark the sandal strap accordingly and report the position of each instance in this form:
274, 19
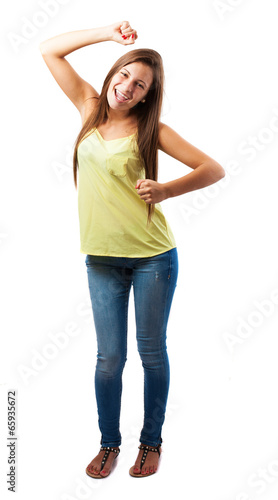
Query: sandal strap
146, 450
107, 450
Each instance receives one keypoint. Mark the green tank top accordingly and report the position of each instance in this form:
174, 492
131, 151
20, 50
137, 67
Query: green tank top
112, 217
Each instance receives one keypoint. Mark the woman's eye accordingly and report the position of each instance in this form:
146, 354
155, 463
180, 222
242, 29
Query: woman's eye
125, 74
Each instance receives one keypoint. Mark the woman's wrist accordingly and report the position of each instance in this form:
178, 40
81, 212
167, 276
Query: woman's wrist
103, 34
167, 190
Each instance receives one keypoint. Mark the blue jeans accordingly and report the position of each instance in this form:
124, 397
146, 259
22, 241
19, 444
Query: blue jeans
154, 281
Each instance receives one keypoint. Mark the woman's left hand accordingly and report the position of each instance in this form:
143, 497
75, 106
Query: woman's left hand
151, 191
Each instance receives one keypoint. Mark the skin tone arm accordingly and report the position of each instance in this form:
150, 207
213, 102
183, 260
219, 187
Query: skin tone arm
206, 171
55, 49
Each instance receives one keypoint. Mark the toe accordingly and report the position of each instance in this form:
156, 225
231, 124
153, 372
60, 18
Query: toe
93, 470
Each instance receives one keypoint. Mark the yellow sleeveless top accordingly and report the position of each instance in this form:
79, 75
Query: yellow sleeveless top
112, 216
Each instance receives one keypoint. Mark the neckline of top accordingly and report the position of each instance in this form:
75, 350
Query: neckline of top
112, 140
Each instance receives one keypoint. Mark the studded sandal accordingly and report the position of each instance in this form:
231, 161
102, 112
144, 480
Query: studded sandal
107, 450
146, 449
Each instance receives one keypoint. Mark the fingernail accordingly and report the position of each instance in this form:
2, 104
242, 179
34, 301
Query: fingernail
133, 35
123, 36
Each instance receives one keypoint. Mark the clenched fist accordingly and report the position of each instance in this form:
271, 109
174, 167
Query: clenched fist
151, 191
123, 33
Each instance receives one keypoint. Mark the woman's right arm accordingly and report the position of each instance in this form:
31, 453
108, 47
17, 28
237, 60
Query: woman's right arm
55, 49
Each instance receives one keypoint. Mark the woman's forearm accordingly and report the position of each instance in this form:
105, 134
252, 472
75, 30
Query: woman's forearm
64, 44
204, 175
201, 177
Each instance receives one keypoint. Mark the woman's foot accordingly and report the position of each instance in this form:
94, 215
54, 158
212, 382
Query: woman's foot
150, 464
106, 455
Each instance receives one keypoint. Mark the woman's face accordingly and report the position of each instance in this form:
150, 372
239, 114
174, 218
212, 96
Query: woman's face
129, 86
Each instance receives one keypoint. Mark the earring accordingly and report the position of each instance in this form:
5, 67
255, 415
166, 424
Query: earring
144, 100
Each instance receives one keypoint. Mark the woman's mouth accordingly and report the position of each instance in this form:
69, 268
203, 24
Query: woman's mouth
120, 97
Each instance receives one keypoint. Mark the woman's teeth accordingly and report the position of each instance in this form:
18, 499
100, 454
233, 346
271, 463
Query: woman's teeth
120, 97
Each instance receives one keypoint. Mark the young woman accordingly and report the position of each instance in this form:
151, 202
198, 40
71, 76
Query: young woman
124, 234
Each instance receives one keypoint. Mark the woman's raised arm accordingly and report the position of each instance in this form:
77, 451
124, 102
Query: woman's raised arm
55, 49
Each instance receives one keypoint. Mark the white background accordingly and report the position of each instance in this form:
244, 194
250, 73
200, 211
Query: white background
220, 435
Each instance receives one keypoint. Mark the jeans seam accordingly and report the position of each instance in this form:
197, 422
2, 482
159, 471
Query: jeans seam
170, 266
126, 315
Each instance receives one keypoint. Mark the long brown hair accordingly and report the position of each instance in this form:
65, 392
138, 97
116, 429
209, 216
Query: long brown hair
147, 113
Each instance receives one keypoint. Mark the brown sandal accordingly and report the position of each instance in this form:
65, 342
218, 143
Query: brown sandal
107, 450
146, 451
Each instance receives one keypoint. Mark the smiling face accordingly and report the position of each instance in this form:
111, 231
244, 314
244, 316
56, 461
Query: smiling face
129, 86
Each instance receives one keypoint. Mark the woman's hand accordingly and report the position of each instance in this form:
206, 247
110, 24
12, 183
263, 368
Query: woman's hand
151, 191
123, 33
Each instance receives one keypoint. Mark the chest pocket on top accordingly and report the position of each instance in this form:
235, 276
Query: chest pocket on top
116, 165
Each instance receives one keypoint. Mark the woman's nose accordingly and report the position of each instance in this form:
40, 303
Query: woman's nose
128, 87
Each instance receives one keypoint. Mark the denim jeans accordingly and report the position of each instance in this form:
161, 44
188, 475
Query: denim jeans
154, 281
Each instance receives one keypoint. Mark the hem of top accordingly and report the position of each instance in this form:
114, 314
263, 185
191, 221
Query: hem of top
128, 256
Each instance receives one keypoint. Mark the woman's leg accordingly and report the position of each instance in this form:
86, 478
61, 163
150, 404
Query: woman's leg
109, 286
154, 281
